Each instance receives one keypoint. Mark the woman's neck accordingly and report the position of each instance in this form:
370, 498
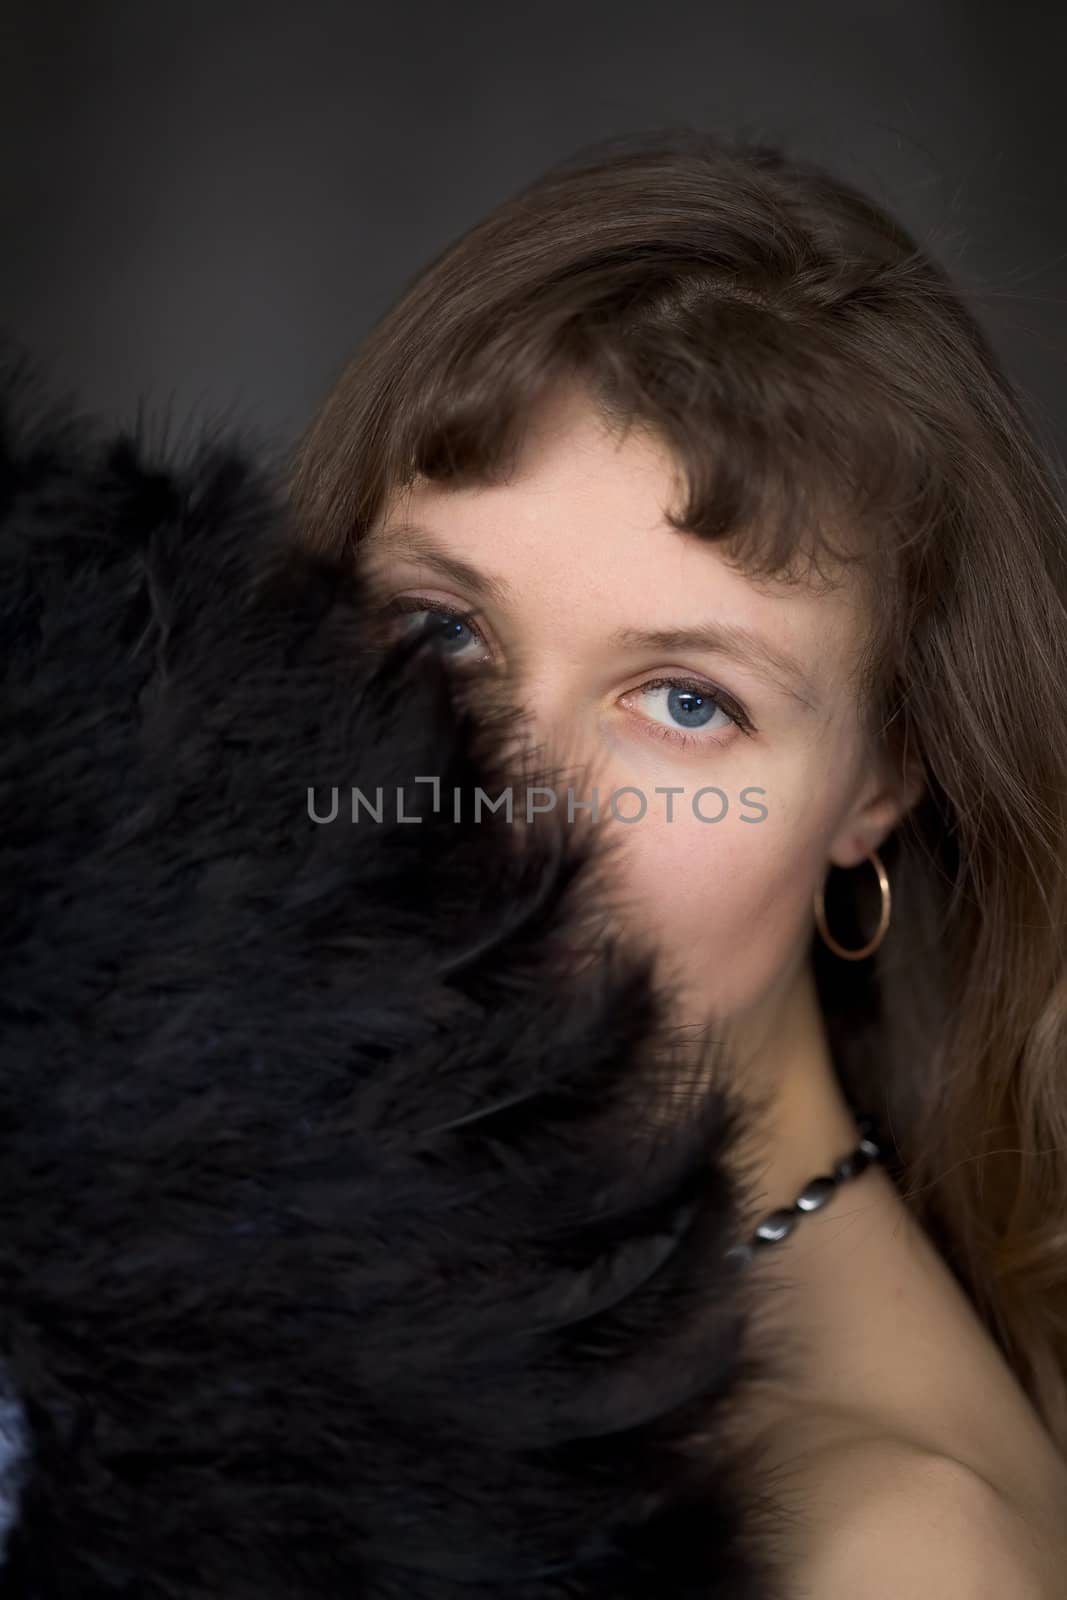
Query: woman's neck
801, 1124
885, 1339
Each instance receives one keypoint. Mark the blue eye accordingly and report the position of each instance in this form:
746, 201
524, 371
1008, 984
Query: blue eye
687, 706
690, 709
452, 631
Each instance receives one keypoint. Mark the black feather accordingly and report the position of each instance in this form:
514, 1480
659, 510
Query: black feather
341, 1253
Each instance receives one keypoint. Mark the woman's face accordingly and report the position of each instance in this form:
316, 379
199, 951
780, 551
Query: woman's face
604, 620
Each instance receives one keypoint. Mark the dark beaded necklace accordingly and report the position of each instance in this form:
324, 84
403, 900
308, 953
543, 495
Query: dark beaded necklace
814, 1195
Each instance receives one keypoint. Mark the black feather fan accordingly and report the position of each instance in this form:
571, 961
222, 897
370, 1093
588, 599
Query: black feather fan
343, 1250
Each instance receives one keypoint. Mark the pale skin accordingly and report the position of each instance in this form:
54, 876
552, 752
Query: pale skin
919, 1464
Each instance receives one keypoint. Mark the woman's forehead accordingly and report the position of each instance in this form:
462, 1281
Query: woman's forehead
582, 479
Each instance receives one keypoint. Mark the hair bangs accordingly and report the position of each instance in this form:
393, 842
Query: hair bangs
788, 455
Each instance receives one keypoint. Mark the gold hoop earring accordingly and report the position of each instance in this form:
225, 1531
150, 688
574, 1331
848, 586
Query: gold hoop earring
883, 923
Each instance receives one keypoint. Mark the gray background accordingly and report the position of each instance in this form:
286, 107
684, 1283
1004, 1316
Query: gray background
206, 206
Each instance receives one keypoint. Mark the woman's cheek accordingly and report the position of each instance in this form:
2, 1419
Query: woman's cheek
726, 902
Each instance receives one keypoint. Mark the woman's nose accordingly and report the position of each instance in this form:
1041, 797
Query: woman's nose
544, 740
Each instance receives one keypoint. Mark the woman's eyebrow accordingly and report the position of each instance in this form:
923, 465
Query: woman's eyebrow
405, 539
780, 668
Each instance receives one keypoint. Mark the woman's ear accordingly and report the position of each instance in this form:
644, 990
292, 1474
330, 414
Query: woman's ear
882, 802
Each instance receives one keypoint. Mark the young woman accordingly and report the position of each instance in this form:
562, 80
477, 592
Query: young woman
698, 445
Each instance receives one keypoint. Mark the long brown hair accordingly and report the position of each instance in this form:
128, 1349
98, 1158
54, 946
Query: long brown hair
827, 394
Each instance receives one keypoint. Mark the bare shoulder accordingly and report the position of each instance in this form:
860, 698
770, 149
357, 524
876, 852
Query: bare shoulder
893, 1520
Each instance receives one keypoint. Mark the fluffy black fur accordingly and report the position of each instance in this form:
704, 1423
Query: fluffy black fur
340, 1253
